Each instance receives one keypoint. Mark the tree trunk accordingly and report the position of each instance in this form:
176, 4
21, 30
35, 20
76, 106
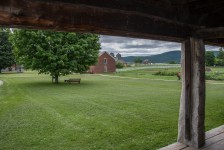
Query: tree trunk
52, 79
56, 79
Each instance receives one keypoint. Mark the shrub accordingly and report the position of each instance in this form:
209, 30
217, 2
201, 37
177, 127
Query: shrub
165, 73
172, 62
220, 62
119, 65
215, 76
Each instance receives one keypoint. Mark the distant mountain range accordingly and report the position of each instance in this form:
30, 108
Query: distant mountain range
160, 58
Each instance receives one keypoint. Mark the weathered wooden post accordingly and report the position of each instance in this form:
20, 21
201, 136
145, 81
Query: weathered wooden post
192, 102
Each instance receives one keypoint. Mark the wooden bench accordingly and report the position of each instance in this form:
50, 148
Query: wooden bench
73, 80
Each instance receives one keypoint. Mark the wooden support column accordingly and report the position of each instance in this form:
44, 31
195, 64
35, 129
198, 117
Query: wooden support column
192, 102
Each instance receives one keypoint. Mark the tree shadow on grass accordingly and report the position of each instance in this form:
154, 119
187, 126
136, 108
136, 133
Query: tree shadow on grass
47, 84
3, 73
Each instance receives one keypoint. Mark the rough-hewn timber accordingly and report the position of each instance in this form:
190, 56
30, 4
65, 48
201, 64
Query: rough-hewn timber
211, 33
76, 17
170, 20
214, 141
196, 12
192, 103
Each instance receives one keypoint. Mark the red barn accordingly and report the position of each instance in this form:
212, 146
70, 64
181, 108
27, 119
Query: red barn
106, 63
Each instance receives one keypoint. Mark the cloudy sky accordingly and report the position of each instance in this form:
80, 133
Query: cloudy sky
138, 47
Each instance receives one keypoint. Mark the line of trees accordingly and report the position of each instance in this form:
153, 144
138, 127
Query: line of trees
211, 59
7, 58
138, 60
48, 52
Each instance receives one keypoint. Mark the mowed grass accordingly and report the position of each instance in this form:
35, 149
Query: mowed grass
101, 113
149, 73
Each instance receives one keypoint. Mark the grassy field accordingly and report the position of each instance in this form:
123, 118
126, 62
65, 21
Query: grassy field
148, 73
215, 73
102, 112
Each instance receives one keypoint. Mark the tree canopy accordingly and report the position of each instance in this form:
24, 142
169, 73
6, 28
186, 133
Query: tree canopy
138, 60
220, 54
6, 54
209, 58
220, 58
55, 53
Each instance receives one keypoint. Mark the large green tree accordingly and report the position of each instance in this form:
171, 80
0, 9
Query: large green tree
220, 58
55, 53
6, 55
220, 54
209, 58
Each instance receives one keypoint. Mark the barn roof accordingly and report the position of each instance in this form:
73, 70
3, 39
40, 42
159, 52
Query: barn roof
170, 20
101, 53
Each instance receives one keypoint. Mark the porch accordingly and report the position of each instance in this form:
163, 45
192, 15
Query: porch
193, 23
214, 140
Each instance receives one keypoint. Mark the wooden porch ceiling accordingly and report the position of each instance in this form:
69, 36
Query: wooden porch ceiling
170, 20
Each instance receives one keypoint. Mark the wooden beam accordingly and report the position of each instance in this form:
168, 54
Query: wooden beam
151, 7
211, 33
191, 130
188, 89
142, 19
206, 13
215, 42
87, 18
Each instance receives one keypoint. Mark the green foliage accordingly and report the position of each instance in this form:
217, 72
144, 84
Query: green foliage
220, 54
55, 53
165, 73
215, 75
209, 58
220, 62
6, 54
119, 65
172, 62
220, 58
138, 60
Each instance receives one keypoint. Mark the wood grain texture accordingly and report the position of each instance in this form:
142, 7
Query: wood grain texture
214, 132
188, 88
191, 130
175, 146
88, 18
214, 141
168, 20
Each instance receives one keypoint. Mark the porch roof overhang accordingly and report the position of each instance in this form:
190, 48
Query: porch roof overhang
169, 20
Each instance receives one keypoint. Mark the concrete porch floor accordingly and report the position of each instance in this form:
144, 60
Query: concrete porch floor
214, 141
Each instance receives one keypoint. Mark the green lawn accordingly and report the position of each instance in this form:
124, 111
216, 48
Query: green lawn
216, 73
149, 73
101, 113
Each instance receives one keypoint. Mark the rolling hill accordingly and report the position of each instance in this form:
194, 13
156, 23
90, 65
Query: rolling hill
160, 58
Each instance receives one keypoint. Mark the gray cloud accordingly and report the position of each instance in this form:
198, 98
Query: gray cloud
113, 39
138, 47
143, 46
211, 48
